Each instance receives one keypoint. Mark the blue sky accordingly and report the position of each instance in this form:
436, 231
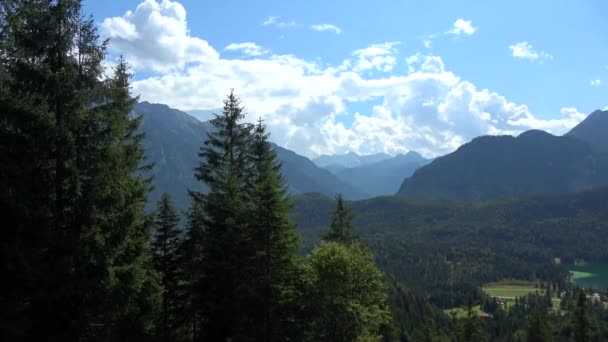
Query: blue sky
383, 76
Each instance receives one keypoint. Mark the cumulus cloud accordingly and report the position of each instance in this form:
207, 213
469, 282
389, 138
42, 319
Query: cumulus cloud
525, 50
304, 103
155, 36
248, 48
278, 22
596, 82
326, 27
462, 26
380, 57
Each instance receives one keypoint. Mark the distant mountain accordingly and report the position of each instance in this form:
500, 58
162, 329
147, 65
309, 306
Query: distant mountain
489, 167
594, 129
172, 141
348, 160
304, 176
383, 177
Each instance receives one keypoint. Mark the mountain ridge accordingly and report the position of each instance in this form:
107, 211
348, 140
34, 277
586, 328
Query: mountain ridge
172, 141
488, 167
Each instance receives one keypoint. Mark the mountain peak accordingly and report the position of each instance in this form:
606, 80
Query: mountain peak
593, 129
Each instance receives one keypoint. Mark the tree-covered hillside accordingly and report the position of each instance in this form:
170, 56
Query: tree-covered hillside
443, 246
534, 163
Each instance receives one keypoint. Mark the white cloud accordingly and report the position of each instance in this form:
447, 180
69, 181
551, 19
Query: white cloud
596, 82
428, 43
525, 50
305, 103
380, 57
278, 22
156, 37
326, 27
248, 48
462, 26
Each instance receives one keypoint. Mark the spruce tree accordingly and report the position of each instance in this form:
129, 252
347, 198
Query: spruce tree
77, 245
167, 261
341, 228
538, 327
224, 167
580, 319
191, 254
273, 244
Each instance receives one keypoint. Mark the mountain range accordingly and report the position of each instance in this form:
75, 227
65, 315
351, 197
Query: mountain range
382, 177
488, 167
533, 163
172, 141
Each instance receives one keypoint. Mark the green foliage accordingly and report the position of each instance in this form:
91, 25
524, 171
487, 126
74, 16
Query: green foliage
346, 294
538, 328
72, 187
224, 167
165, 248
341, 227
580, 319
447, 250
273, 245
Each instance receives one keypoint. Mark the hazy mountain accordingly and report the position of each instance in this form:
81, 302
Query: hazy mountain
488, 167
383, 177
349, 160
304, 176
173, 139
594, 129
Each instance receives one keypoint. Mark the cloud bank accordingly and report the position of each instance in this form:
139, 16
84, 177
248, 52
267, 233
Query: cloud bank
307, 104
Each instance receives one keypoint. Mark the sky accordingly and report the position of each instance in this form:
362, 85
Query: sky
330, 77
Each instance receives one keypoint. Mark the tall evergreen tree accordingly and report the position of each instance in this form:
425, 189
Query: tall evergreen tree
167, 261
580, 319
538, 328
78, 241
191, 260
471, 328
341, 228
273, 243
225, 166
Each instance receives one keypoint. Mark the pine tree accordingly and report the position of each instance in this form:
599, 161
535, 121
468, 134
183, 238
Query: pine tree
538, 328
191, 254
341, 228
471, 329
224, 167
166, 259
273, 243
580, 319
78, 242
133, 290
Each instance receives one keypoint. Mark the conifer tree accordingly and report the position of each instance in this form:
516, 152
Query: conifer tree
538, 328
273, 243
341, 227
471, 329
224, 167
166, 259
191, 261
78, 241
580, 319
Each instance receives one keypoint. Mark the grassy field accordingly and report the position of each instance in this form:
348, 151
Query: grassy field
510, 289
